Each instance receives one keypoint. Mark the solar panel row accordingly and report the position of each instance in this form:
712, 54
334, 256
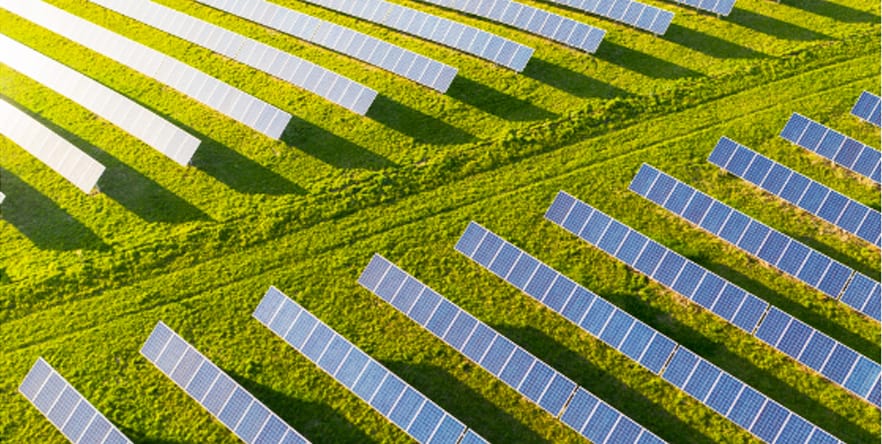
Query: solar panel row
833, 145
533, 20
222, 396
777, 249
721, 7
220, 96
721, 297
388, 394
639, 15
117, 109
799, 190
66, 408
395, 59
699, 378
447, 32
869, 108
304, 74
520, 370
50, 148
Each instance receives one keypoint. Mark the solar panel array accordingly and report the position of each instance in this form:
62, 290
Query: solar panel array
710, 385
302, 73
50, 148
374, 51
630, 12
813, 197
520, 370
465, 38
720, 7
868, 107
66, 408
787, 334
222, 396
777, 249
388, 394
116, 108
833, 145
220, 96
533, 20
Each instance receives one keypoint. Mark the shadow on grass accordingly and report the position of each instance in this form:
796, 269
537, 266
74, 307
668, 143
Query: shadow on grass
642, 63
331, 148
238, 171
415, 124
737, 366
835, 254
708, 44
834, 11
773, 27
470, 407
41, 220
317, 422
570, 81
495, 102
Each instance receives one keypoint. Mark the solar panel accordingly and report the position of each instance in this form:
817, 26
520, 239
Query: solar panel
719, 7
50, 148
220, 96
867, 108
492, 47
304, 74
616, 328
833, 145
66, 408
116, 108
520, 370
712, 292
813, 197
775, 248
630, 12
388, 394
395, 59
214, 390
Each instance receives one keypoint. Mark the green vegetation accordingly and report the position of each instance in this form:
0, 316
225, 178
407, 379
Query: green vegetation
83, 279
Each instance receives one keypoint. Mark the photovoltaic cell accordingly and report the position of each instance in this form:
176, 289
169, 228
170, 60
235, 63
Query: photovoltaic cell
50, 148
811, 196
116, 108
220, 96
776, 248
403, 405
686, 370
66, 408
867, 108
309, 76
833, 145
519, 369
719, 7
223, 397
639, 15
744, 310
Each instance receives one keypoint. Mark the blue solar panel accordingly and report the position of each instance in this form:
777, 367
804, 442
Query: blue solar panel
403, 405
811, 196
745, 310
519, 369
868, 108
223, 397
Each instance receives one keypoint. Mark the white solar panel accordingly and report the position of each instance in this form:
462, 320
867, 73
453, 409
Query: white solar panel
403, 62
52, 149
222, 97
304, 74
639, 15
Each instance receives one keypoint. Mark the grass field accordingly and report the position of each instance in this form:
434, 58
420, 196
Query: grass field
84, 278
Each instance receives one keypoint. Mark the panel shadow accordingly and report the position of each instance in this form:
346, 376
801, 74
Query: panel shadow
570, 81
773, 27
238, 171
834, 11
642, 63
467, 405
415, 124
331, 148
495, 102
41, 220
708, 44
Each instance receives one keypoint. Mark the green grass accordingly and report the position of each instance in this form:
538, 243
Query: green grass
83, 279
